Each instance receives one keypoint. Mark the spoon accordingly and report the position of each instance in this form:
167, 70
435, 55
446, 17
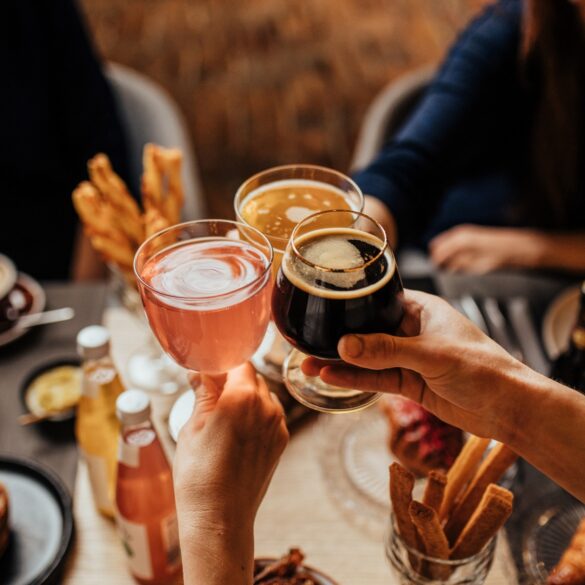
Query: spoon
55, 316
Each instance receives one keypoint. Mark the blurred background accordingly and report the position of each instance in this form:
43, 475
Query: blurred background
267, 82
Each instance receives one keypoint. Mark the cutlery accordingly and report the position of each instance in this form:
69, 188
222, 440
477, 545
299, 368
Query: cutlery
499, 328
30, 419
472, 311
55, 316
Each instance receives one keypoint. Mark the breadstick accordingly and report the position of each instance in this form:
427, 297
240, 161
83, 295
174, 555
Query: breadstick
571, 567
118, 252
170, 160
462, 471
434, 490
490, 471
433, 538
401, 484
95, 213
152, 195
154, 222
114, 190
494, 509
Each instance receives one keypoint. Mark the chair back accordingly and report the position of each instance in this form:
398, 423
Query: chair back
149, 114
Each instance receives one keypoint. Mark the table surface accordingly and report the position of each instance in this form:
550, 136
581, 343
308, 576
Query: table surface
297, 511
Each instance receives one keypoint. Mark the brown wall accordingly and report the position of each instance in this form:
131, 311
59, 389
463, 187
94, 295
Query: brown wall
265, 82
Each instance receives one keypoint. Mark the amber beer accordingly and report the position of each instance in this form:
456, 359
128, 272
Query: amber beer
340, 281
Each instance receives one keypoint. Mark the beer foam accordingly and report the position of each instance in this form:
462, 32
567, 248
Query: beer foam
330, 248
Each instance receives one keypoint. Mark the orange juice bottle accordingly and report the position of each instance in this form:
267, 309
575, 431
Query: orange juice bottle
97, 426
145, 499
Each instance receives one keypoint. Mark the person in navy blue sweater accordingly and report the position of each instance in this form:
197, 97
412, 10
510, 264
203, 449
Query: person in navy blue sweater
488, 171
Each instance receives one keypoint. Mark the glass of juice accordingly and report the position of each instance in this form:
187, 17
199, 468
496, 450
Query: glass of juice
338, 276
274, 202
205, 286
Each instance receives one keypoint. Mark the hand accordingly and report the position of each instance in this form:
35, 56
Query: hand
479, 250
380, 212
444, 363
226, 455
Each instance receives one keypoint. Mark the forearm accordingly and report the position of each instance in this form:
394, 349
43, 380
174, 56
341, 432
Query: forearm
561, 251
218, 556
545, 424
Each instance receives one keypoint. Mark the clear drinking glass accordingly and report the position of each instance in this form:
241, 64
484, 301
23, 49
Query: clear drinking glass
205, 286
273, 202
338, 276
411, 567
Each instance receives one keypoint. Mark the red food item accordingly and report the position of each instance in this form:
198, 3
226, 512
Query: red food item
418, 439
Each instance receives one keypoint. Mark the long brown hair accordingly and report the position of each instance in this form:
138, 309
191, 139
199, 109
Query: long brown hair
553, 57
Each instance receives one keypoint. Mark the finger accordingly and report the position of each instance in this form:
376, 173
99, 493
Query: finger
242, 378
461, 262
311, 366
194, 379
378, 351
262, 386
276, 400
207, 393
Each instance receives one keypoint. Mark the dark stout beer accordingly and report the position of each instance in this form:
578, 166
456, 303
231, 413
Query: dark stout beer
337, 281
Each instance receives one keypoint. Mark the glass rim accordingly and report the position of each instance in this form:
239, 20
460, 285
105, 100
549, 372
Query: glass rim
185, 224
287, 167
375, 258
446, 562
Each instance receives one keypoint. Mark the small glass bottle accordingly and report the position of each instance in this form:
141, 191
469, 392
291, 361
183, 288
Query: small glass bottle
145, 500
569, 367
97, 427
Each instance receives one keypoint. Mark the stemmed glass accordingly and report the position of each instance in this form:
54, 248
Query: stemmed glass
274, 201
205, 286
338, 276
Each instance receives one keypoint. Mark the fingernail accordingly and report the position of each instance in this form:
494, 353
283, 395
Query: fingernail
353, 345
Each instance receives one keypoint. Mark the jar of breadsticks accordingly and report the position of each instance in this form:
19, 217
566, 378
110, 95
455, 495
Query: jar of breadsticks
449, 535
410, 566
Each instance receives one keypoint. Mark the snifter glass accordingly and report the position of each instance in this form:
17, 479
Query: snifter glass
338, 276
205, 286
274, 201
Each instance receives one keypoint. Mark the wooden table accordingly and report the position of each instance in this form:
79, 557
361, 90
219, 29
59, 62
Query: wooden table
297, 510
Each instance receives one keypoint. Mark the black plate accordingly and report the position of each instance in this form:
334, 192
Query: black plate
41, 523
36, 372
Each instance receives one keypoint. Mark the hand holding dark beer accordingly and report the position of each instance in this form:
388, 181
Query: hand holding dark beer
441, 360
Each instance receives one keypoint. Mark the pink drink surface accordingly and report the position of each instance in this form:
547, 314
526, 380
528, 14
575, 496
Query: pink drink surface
209, 323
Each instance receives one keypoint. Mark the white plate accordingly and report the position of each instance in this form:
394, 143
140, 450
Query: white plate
38, 302
559, 321
181, 412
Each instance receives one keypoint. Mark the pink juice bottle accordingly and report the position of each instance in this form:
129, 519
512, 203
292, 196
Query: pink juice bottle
208, 301
145, 499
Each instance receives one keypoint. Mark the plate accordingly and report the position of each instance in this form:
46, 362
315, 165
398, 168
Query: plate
41, 523
548, 533
181, 412
36, 304
559, 320
319, 577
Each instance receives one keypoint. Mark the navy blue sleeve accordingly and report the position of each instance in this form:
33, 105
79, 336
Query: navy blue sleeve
464, 105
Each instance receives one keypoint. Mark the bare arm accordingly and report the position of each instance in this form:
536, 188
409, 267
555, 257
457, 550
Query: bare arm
466, 379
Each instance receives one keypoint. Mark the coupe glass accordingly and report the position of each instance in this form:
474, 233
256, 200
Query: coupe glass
274, 201
205, 286
338, 276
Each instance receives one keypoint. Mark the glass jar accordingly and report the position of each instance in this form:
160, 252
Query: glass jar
403, 560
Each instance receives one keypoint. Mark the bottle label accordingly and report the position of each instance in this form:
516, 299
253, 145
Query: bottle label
98, 477
93, 380
128, 455
170, 538
135, 540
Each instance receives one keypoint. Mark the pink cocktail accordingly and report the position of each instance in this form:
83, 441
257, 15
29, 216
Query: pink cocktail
206, 288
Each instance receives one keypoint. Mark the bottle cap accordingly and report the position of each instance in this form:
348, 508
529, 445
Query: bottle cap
93, 342
133, 407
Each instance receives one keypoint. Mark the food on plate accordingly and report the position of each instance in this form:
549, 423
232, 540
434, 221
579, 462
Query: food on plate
287, 570
113, 221
55, 390
570, 570
418, 439
4, 518
422, 525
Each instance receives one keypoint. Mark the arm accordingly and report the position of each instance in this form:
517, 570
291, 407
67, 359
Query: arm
225, 458
465, 105
455, 371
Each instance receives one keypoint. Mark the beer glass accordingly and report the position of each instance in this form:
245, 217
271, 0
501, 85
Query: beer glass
338, 276
273, 202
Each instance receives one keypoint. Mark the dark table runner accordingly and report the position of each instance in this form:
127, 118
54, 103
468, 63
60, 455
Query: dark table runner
51, 444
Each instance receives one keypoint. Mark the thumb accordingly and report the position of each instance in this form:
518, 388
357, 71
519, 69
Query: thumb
207, 392
379, 351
